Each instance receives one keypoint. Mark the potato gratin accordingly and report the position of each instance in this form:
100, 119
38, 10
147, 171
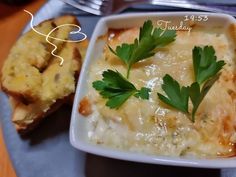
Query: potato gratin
152, 127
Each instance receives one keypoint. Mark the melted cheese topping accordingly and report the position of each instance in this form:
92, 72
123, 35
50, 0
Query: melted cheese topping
152, 127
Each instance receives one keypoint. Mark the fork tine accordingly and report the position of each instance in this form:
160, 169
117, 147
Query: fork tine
97, 2
101, 5
97, 7
85, 7
90, 4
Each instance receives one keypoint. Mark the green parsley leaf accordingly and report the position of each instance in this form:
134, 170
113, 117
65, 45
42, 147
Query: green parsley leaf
197, 95
142, 48
205, 64
206, 71
176, 97
117, 89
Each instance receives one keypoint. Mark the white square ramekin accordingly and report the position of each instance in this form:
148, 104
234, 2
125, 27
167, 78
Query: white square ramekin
78, 132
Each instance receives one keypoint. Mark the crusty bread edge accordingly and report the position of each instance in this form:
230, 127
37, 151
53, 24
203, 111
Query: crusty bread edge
29, 127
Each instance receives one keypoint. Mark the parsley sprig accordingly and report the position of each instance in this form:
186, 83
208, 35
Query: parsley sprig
117, 89
197, 94
205, 64
142, 48
206, 70
176, 97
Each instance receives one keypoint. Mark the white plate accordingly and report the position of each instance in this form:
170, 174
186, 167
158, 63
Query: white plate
78, 131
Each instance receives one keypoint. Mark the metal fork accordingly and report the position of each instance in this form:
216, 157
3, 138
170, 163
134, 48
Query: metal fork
106, 7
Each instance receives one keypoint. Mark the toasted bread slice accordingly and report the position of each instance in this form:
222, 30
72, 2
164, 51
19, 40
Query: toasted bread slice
34, 80
22, 70
59, 81
58, 86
